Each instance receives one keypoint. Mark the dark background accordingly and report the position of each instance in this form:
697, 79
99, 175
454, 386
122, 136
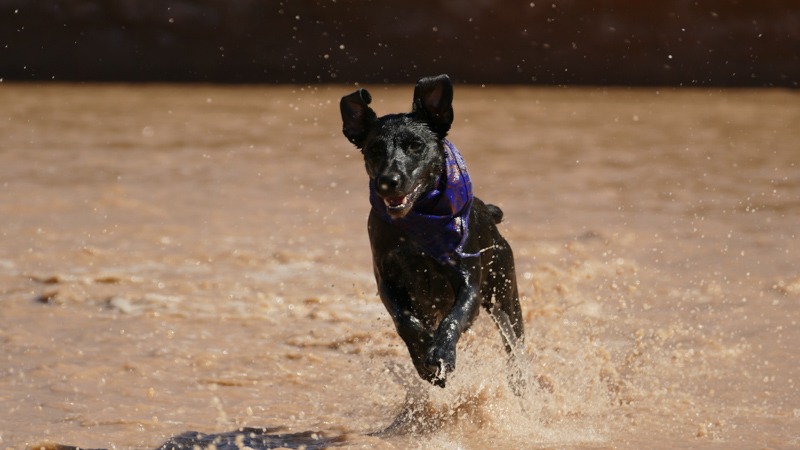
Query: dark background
590, 42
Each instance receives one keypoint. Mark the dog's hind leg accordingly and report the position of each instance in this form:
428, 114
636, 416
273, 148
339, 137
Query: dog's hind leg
501, 300
505, 308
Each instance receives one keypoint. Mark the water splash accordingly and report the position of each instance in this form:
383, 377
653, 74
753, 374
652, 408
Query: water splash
480, 402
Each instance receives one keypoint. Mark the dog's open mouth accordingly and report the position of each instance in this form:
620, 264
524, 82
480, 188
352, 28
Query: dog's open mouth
396, 203
399, 205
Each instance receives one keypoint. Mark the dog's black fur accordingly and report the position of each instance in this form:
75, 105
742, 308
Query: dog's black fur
431, 302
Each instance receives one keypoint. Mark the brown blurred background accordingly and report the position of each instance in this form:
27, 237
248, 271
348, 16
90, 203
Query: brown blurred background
595, 42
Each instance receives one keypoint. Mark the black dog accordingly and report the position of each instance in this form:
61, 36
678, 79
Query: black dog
437, 254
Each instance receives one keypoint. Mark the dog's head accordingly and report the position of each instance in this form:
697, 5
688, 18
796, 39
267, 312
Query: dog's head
403, 153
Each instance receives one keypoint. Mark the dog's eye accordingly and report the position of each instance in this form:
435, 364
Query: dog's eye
414, 146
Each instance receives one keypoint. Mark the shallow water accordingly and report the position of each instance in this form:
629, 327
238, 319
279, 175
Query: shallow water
181, 258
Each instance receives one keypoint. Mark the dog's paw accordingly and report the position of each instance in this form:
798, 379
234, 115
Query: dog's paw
440, 362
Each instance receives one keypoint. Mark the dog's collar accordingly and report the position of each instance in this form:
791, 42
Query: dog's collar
439, 220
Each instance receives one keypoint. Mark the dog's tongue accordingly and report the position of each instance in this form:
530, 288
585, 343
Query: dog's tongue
395, 202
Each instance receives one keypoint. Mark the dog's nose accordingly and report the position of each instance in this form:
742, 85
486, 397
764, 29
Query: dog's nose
388, 183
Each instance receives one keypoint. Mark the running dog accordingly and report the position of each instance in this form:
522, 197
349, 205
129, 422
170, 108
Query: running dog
437, 254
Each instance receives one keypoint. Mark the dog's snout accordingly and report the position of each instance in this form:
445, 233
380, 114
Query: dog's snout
388, 183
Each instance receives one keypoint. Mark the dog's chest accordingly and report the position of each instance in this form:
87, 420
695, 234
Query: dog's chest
424, 279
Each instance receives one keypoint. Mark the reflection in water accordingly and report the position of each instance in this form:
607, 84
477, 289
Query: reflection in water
245, 437
256, 438
195, 258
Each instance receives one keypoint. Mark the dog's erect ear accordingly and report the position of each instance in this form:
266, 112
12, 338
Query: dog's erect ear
357, 116
433, 102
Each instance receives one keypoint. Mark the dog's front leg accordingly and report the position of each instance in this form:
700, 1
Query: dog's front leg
441, 356
410, 329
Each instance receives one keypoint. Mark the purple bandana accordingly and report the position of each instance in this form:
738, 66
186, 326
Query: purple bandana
438, 221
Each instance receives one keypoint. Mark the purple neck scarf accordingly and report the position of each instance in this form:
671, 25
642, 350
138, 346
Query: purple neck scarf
439, 220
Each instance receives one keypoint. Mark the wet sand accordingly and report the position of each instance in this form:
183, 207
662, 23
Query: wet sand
181, 258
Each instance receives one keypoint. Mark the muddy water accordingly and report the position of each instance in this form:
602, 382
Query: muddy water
195, 258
